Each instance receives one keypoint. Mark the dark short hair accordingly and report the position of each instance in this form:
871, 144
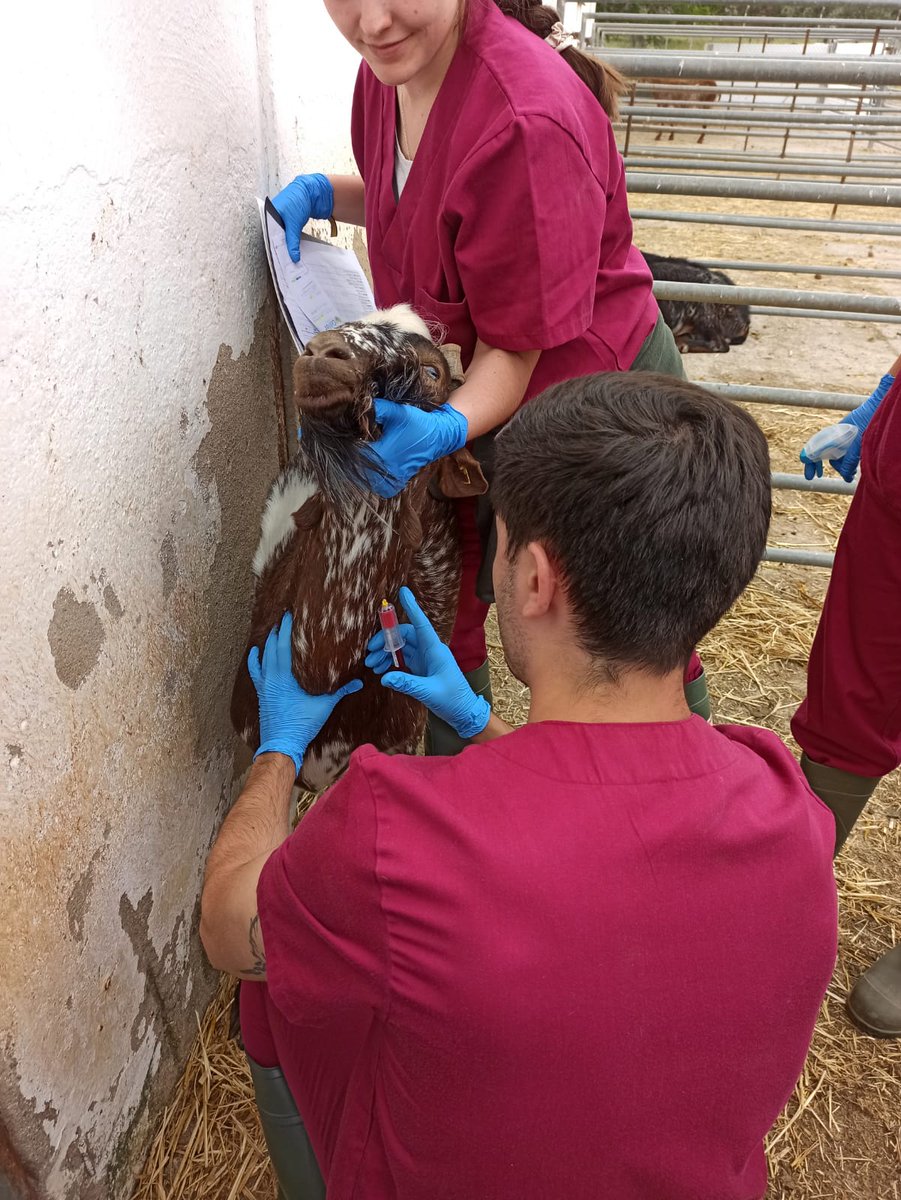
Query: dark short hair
651, 495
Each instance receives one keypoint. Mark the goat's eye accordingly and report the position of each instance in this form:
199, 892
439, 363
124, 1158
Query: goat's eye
432, 372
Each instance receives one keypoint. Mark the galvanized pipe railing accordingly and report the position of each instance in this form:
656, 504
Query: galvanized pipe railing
893, 9
866, 194
637, 159
798, 224
767, 131
598, 41
797, 483
728, 264
793, 298
699, 154
821, 315
743, 23
760, 68
801, 558
785, 397
600, 36
770, 114
817, 119
814, 95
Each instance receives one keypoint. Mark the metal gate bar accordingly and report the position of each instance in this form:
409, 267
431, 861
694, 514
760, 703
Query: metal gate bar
798, 224
698, 156
793, 298
859, 194
829, 100
636, 158
797, 483
638, 64
802, 558
726, 264
786, 397
749, 4
818, 314
764, 131
761, 114
728, 88
740, 23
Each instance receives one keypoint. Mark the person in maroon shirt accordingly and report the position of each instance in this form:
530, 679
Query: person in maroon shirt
849, 724
583, 958
494, 201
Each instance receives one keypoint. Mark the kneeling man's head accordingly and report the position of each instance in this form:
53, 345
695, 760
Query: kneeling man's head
632, 510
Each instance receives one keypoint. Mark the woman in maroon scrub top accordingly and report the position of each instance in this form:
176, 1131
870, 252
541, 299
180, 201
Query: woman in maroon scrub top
494, 201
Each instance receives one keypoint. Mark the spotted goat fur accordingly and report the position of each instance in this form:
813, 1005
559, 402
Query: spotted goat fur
699, 326
330, 549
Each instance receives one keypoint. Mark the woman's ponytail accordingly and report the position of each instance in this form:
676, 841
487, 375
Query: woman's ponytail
604, 81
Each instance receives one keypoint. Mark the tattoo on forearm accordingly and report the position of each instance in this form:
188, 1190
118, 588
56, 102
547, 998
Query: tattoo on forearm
256, 948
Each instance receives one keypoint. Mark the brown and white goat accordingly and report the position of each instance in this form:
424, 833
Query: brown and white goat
682, 93
331, 549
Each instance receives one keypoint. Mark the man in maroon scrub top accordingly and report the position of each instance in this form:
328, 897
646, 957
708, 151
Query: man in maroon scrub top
583, 958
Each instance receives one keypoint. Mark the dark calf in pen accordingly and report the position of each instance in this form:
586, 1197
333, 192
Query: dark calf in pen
331, 549
699, 327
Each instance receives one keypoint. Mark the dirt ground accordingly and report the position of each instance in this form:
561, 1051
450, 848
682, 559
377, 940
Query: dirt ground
840, 1136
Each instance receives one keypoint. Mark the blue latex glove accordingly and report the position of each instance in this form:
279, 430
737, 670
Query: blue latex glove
436, 680
411, 439
305, 197
829, 441
289, 717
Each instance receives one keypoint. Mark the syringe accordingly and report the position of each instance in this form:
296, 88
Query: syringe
394, 639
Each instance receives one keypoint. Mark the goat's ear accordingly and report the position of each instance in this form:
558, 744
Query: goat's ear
451, 355
459, 475
310, 513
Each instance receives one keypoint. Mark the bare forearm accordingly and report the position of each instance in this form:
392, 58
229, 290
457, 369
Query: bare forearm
494, 729
349, 203
256, 826
494, 387
258, 822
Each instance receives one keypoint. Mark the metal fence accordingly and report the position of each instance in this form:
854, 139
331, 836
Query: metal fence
791, 109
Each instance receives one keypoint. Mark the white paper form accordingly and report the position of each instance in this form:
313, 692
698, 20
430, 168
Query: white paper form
325, 289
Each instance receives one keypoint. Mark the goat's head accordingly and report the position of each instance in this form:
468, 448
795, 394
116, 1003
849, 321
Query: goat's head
340, 373
389, 354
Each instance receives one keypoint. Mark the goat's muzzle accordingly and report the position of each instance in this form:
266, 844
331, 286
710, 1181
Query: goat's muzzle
329, 375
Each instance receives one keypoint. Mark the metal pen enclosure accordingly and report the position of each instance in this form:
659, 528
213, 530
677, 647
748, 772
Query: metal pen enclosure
816, 104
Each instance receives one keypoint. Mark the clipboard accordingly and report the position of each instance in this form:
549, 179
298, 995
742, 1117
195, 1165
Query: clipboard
325, 289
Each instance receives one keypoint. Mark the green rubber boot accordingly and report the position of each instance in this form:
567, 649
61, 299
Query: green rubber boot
697, 697
439, 737
293, 1160
845, 794
875, 1001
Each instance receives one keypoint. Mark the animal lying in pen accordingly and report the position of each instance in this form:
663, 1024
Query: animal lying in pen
330, 549
699, 327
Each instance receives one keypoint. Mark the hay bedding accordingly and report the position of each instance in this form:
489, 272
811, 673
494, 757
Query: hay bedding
840, 1135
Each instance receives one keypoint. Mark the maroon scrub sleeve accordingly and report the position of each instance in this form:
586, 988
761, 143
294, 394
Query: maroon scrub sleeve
851, 716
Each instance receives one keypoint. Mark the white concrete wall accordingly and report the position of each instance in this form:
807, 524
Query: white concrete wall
138, 440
